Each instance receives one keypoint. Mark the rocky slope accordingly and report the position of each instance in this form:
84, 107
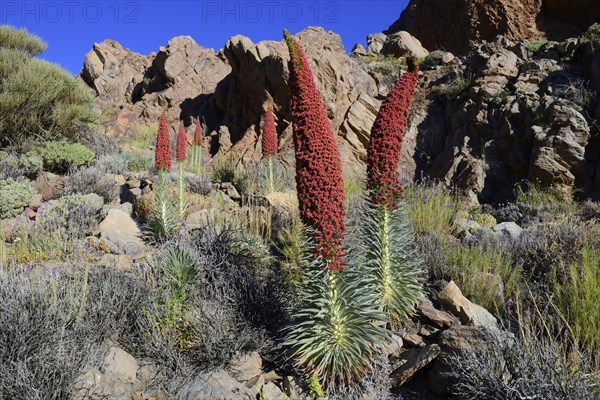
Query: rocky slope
456, 26
507, 114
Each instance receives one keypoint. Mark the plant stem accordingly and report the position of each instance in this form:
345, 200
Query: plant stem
181, 189
270, 176
386, 278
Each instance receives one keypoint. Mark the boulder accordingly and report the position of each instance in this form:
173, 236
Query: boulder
120, 234
508, 229
121, 364
49, 185
412, 361
469, 313
217, 385
359, 50
247, 368
375, 43
95, 201
437, 318
458, 341
282, 202
403, 44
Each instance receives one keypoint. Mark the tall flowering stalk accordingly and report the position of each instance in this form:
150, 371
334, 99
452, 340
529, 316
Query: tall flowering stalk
163, 220
387, 241
269, 147
181, 156
196, 159
319, 181
332, 336
385, 144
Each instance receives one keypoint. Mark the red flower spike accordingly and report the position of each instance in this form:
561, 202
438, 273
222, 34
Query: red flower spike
198, 133
319, 181
162, 154
269, 137
181, 152
385, 144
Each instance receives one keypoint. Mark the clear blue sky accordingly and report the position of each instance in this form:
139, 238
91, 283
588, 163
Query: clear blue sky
70, 27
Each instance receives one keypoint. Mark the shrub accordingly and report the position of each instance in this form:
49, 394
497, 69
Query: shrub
578, 92
14, 197
228, 307
534, 47
431, 208
59, 157
485, 220
485, 273
144, 137
19, 39
535, 366
578, 295
92, 179
198, 184
66, 107
58, 233
16, 166
432, 60
53, 323
592, 33
551, 246
540, 196
456, 87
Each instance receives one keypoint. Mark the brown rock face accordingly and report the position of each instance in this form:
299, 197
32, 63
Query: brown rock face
456, 25
579, 12
179, 80
231, 88
452, 25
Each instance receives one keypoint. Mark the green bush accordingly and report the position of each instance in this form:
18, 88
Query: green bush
534, 47
14, 166
431, 208
20, 39
578, 295
14, 197
38, 99
60, 156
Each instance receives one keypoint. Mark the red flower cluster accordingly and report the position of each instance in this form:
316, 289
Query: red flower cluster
162, 154
269, 137
181, 151
385, 144
319, 179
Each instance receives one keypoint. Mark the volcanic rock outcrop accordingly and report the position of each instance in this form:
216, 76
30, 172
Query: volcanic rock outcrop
458, 25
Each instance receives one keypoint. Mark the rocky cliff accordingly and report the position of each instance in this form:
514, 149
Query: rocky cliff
458, 25
504, 113
230, 89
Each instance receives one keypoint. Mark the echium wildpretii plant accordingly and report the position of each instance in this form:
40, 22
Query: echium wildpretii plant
333, 335
386, 250
164, 218
181, 156
196, 158
269, 148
